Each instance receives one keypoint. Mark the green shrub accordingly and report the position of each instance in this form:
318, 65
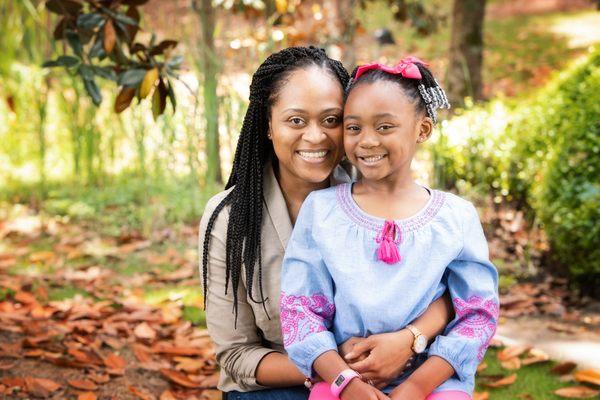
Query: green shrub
541, 153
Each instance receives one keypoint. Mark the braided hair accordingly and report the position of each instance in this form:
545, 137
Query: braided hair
426, 93
254, 150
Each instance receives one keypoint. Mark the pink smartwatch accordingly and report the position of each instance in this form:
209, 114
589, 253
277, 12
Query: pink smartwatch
342, 380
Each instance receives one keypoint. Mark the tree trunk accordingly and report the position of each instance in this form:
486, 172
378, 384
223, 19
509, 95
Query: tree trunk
466, 51
209, 64
344, 28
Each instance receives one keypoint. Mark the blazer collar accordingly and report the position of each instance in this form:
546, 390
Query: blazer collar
275, 204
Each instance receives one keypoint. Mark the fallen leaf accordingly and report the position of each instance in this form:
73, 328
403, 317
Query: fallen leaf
41, 256
41, 387
482, 367
167, 395
588, 375
87, 396
179, 378
141, 394
509, 380
481, 396
512, 351
144, 331
82, 384
577, 392
511, 364
563, 368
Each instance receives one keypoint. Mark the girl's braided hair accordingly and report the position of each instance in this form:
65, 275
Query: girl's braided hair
426, 92
254, 150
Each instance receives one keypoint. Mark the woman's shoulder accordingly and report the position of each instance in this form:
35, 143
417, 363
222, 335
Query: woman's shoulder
211, 206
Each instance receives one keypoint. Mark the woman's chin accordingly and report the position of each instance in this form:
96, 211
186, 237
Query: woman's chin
316, 173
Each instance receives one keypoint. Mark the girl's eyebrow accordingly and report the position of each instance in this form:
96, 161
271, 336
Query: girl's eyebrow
380, 115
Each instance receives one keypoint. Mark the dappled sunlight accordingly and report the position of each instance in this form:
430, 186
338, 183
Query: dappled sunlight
582, 30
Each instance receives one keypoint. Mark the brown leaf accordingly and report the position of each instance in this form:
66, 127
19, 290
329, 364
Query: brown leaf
82, 384
115, 363
481, 367
511, 364
577, 392
87, 396
512, 351
481, 395
42, 256
99, 378
563, 368
41, 387
588, 375
144, 331
141, 394
179, 378
509, 380
123, 99
159, 100
167, 395
110, 36
25, 298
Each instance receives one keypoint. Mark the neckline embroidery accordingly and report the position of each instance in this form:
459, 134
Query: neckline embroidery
361, 218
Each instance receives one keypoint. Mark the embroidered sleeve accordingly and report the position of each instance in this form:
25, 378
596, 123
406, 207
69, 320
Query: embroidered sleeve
473, 284
306, 304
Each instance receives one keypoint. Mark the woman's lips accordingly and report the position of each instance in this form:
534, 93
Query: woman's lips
313, 156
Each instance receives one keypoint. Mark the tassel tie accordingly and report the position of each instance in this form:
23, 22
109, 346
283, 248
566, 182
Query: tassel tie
389, 239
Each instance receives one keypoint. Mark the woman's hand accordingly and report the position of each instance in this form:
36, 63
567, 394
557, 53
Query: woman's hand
407, 391
348, 347
359, 390
386, 356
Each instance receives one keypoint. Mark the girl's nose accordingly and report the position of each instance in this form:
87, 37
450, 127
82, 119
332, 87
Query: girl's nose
369, 140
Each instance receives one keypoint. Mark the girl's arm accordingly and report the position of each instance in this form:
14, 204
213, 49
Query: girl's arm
473, 284
240, 352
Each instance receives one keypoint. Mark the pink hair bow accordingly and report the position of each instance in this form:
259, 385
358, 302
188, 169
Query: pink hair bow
406, 67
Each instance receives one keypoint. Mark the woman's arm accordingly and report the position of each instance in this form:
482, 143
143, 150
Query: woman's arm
276, 370
239, 347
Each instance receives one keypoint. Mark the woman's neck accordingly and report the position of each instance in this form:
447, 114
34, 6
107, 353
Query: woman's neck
295, 190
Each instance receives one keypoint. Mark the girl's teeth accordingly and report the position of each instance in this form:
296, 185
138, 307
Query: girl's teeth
313, 154
372, 159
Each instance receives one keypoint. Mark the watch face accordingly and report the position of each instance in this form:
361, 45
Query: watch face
420, 344
339, 380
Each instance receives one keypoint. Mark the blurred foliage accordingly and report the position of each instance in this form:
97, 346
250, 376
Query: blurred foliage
101, 40
541, 153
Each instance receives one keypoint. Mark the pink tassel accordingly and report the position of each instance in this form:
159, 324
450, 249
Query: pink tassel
388, 245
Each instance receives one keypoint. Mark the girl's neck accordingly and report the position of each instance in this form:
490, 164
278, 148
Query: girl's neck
396, 184
295, 190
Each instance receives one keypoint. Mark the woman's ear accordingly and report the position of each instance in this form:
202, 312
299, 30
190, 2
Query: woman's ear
425, 129
269, 134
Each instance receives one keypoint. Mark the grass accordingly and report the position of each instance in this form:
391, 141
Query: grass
533, 380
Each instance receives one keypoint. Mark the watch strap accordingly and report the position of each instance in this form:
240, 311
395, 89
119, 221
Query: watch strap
342, 380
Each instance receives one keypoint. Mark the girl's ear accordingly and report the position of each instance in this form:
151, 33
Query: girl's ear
425, 129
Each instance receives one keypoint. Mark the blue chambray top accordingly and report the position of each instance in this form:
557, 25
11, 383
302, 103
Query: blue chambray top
334, 286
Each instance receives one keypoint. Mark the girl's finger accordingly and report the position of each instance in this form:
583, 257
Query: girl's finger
359, 348
362, 366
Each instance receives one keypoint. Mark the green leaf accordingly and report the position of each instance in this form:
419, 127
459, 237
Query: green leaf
97, 50
90, 21
93, 90
124, 19
68, 61
171, 94
50, 64
175, 62
75, 43
86, 72
132, 77
105, 72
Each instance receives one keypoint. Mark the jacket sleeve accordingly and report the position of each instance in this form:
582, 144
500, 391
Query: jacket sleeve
473, 284
306, 306
239, 349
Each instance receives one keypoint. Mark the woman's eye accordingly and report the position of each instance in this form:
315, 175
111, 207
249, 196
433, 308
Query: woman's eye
296, 121
331, 120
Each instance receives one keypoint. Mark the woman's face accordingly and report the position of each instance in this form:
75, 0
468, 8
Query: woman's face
306, 124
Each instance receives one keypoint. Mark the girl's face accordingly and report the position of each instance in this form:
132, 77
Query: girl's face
306, 124
382, 130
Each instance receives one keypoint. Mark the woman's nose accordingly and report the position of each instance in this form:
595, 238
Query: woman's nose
314, 134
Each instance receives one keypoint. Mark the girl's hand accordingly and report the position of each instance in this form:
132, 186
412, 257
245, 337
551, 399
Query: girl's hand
407, 391
359, 390
348, 347
388, 354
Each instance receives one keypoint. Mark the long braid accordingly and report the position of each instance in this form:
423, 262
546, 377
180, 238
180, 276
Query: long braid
253, 151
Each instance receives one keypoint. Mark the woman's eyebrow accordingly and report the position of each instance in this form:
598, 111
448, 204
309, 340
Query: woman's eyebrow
296, 110
331, 110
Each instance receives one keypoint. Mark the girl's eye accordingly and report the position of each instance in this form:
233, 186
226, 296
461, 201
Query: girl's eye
384, 127
353, 128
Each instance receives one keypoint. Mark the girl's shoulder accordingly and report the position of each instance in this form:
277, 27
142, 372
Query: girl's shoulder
458, 207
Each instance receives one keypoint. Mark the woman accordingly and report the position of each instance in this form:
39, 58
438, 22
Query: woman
290, 144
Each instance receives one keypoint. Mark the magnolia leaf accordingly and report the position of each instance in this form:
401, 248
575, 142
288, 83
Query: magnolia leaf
159, 100
89, 21
162, 46
577, 392
148, 82
75, 43
93, 90
134, 2
124, 98
509, 380
171, 94
105, 72
132, 30
110, 36
588, 375
132, 77
63, 7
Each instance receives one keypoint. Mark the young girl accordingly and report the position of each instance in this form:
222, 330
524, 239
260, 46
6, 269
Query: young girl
369, 257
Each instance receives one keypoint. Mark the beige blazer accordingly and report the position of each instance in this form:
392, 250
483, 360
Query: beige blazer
240, 350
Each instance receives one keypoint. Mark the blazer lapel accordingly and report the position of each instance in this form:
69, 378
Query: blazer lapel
275, 205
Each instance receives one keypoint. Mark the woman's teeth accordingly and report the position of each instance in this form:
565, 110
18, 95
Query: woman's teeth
312, 155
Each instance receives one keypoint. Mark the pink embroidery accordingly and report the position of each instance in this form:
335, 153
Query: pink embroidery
478, 319
347, 204
304, 315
